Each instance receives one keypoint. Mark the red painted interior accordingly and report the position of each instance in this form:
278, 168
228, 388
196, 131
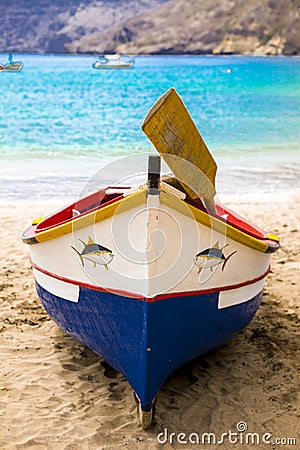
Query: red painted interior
84, 206
99, 199
233, 219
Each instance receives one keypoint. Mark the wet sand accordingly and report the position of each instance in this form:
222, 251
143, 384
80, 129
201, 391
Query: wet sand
56, 394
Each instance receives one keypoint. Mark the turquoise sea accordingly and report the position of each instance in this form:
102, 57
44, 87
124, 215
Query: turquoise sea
62, 122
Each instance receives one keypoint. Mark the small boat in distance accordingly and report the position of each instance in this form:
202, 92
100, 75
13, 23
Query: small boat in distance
11, 66
114, 61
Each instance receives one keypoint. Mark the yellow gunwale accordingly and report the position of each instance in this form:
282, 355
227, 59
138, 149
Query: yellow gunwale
89, 219
138, 198
216, 224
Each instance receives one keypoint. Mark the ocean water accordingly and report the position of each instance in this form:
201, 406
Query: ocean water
65, 127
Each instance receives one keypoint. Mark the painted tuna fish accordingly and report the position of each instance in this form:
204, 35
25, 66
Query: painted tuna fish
95, 253
211, 257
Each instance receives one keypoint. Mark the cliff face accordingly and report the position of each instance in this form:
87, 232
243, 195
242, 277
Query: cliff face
153, 26
219, 26
63, 26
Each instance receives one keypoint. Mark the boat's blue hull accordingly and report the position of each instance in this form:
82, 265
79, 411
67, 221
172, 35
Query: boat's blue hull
147, 341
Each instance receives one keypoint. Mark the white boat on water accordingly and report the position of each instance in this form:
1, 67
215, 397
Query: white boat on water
114, 61
11, 66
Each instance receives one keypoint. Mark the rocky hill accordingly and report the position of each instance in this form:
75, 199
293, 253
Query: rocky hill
151, 27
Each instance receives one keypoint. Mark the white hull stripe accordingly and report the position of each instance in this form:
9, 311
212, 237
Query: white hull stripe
141, 297
240, 295
63, 289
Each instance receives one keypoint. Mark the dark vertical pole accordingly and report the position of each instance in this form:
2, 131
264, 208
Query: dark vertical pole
153, 174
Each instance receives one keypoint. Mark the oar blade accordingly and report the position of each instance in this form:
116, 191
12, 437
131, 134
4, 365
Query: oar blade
173, 133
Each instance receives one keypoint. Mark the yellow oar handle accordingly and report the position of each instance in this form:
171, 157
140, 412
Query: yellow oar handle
172, 131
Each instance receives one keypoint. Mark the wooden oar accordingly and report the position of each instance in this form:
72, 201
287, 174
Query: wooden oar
173, 133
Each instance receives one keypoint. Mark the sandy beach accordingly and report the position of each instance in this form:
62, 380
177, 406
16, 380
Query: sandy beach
56, 394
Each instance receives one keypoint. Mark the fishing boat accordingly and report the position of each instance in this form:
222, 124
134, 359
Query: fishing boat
11, 66
151, 276
114, 61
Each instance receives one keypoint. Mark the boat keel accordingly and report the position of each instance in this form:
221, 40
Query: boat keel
145, 411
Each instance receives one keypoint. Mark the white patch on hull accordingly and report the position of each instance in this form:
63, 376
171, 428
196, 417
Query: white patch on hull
239, 295
56, 287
